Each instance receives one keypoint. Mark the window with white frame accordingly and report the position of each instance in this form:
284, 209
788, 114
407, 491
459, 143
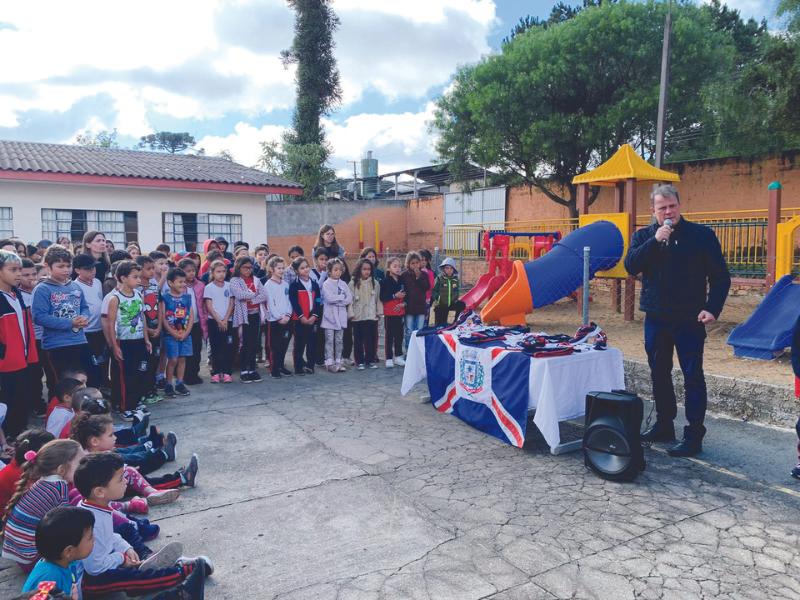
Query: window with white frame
121, 227
188, 231
6, 222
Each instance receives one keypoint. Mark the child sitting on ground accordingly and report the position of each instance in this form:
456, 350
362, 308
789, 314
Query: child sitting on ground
28, 440
44, 485
62, 414
336, 297
64, 537
113, 566
445, 292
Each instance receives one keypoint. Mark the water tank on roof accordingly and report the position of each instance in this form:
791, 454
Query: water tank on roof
369, 174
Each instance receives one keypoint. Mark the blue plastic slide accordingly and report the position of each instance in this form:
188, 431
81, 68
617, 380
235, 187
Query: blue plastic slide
768, 331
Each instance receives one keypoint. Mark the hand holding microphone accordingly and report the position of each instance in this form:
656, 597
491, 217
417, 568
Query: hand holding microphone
664, 232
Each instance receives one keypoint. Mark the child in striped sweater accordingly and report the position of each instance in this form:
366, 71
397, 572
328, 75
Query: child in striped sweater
46, 476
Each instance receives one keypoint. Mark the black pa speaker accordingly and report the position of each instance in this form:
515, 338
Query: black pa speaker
612, 447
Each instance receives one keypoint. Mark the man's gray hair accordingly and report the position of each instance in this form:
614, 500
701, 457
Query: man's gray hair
665, 190
9, 258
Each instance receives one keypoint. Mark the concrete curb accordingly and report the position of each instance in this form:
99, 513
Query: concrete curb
738, 398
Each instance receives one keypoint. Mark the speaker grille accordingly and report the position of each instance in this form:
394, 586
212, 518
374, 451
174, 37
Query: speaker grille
607, 449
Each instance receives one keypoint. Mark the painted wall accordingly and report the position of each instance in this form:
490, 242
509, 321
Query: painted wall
29, 198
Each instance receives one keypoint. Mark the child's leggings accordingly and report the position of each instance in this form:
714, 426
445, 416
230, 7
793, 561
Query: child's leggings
365, 342
221, 343
393, 336
133, 581
250, 332
333, 346
279, 336
303, 344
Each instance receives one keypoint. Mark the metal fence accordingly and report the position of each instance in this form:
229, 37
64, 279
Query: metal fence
467, 239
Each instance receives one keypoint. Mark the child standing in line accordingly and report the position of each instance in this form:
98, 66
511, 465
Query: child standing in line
35, 372
320, 273
415, 284
249, 294
84, 265
219, 309
279, 313
60, 308
394, 309
130, 341
427, 268
445, 292
306, 300
17, 339
365, 311
347, 334
177, 313
113, 565
289, 274
336, 297
149, 288
199, 329
63, 539
44, 485
371, 255
162, 268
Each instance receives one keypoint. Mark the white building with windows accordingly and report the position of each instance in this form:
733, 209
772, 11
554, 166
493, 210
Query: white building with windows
51, 190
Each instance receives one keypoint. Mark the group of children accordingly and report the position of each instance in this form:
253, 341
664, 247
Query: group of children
131, 327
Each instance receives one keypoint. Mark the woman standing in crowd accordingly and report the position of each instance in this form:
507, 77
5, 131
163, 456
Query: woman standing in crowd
327, 239
94, 243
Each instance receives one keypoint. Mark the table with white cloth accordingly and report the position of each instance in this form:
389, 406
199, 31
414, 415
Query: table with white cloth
557, 385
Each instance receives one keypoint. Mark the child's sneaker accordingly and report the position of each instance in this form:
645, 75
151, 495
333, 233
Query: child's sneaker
153, 398
373, 365
149, 531
189, 473
164, 558
201, 563
161, 383
361, 367
137, 505
181, 389
400, 361
227, 378
141, 408
332, 369
255, 377
389, 363
245, 378
163, 497
215, 379
170, 441
127, 415
796, 472
169, 391
194, 586
341, 368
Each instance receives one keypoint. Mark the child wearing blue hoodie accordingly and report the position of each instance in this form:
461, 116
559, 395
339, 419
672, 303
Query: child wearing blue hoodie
61, 310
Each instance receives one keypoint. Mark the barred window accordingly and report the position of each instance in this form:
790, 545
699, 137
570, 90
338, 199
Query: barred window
189, 230
6, 222
118, 226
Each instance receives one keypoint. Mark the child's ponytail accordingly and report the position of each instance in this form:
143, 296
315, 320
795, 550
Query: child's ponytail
41, 464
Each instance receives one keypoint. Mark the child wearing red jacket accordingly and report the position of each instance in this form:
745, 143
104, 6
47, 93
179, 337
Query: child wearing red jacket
306, 300
17, 344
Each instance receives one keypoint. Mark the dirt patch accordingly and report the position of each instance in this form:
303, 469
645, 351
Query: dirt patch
564, 317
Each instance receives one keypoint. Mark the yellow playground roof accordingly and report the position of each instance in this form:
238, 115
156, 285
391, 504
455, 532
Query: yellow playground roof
625, 164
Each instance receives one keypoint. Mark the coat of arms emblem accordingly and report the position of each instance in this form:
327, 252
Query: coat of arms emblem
471, 374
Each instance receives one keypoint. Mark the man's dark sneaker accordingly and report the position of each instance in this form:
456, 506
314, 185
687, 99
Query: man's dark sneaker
189, 472
659, 432
170, 441
692, 443
169, 391
796, 472
193, 380
285, 372
182, 390
255, 377
246, 378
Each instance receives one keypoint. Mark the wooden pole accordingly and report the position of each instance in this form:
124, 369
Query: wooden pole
630, 282
616, 284
774, 217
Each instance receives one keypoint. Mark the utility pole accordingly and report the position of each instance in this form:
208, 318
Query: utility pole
664, 87
355, 183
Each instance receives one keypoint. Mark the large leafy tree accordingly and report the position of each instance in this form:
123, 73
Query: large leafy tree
304, 151
560, 99
168, 141
100, 139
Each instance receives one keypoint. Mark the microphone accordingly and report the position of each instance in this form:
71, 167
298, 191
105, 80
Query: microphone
668, 223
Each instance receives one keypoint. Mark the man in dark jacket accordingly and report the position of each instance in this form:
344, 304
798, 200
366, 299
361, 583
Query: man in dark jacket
684, 286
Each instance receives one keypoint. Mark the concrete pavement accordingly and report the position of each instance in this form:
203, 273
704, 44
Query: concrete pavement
334, 486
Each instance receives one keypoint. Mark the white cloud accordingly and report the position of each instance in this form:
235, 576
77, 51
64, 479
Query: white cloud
244, 143
756, 9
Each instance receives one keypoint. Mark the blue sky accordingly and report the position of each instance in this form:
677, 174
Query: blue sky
216, 72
